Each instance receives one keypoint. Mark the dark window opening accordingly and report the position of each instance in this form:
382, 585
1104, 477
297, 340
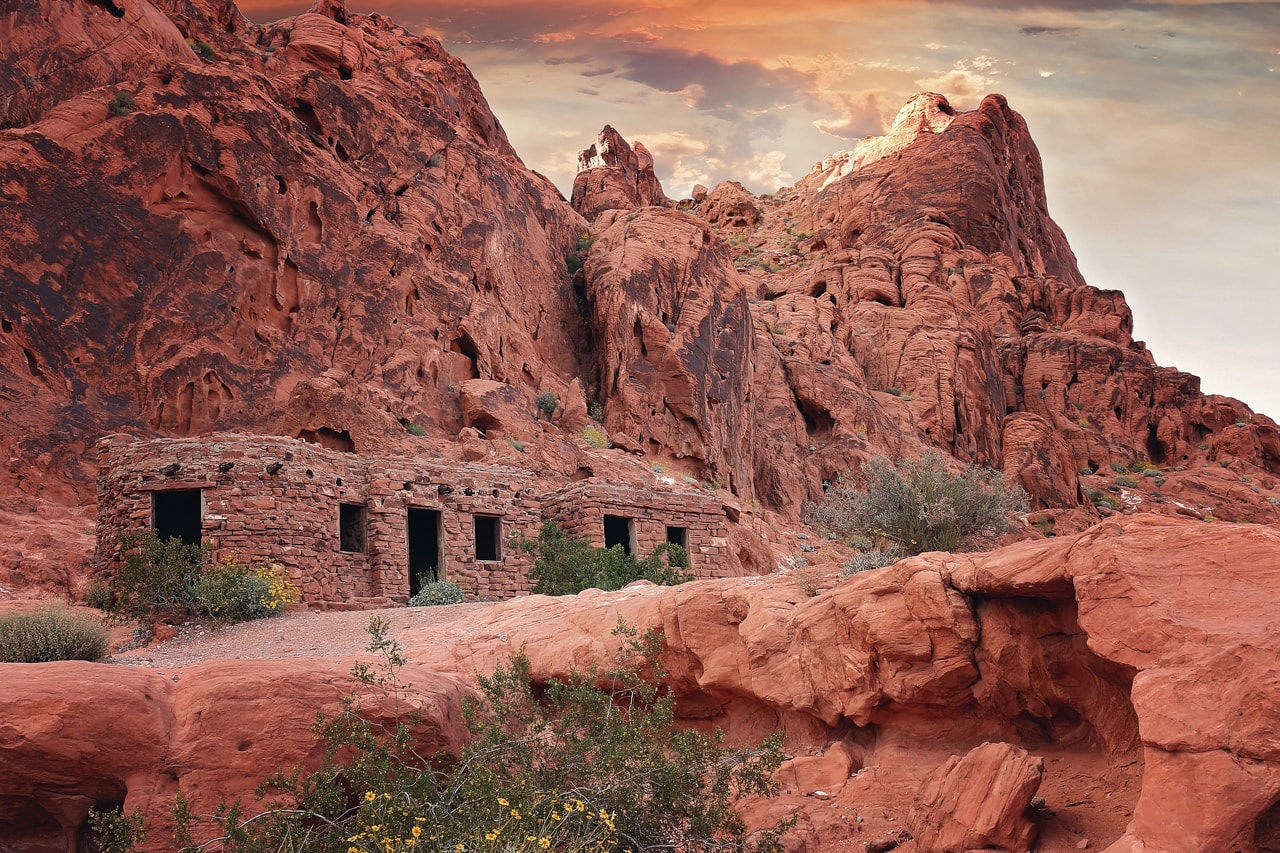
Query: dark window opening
424, 548
177, 514
488, 531
619, 530
351, 528
680, 535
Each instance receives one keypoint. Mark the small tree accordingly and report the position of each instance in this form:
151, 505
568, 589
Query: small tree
920, 504
566, 565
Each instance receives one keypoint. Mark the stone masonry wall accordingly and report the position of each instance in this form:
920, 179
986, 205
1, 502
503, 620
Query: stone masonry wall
277, 499
580, 509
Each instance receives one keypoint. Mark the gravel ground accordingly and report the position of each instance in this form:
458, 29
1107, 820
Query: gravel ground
304, 634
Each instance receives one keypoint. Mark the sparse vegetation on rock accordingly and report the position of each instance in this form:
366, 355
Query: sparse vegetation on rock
919, 504
588, 763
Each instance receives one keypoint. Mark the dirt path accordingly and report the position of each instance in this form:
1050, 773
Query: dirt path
331, 634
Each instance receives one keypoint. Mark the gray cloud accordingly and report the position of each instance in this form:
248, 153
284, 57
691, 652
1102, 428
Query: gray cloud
716, 85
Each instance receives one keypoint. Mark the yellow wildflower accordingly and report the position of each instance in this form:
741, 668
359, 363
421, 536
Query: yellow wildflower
369, 796
416, 831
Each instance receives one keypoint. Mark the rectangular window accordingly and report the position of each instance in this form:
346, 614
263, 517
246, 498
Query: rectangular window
351, 523
488, 532
620, 530
678, 536
178, 514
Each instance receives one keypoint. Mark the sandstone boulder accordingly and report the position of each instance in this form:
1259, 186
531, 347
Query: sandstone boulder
978, 802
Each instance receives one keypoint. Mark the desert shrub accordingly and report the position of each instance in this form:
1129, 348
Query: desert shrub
437, 592
592, 762
170, 577
203, 50
919, 505
596, 437
98, 595
412, 428
565, 565
547, 402
116, 831
156, 575
53, 633
1120, 467
233, 591
873, 559
122, 103
1127, 480
595, 411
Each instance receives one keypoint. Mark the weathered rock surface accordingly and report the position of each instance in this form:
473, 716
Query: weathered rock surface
978, 802
180, 269
1075, 650
615, 175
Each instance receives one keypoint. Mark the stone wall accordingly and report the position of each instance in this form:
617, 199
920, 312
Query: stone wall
278, 499
581, 507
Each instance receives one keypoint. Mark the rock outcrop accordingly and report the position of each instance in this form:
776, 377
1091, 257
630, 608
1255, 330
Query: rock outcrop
614, 175
1077, 650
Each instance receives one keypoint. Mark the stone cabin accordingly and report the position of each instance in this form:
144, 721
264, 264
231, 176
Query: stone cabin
639, 520
354, 530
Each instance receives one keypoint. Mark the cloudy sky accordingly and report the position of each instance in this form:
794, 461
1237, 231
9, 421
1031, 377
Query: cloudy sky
1159, 123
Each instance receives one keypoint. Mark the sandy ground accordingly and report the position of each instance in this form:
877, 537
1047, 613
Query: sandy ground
299, 634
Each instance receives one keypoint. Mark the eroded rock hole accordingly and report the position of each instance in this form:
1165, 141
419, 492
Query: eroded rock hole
114, 10
1156, 451
306, 114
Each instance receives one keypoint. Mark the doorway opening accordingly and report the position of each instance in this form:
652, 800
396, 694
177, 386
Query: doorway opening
488, 531
424, 548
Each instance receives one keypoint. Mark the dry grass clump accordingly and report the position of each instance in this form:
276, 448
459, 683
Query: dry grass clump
52, 633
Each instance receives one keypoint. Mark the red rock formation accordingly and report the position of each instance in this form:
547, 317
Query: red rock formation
613, 175
979, 801
1074, 649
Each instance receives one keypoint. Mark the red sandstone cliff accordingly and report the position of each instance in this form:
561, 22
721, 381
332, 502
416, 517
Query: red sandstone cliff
318, 229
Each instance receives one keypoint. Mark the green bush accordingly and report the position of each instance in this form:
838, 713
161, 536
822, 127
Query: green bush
98, 596
919, 505
122, 103
233, 591
1126, 480
115, 831
412, 428
595, 411
156, 575
591, 763
565, 565
596, 437
547, 402
169, 577
438, 592
53, 633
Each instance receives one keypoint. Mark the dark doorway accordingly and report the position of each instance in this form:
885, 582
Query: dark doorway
176, 514
488, 530
620, 530
351, 528
424, 547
